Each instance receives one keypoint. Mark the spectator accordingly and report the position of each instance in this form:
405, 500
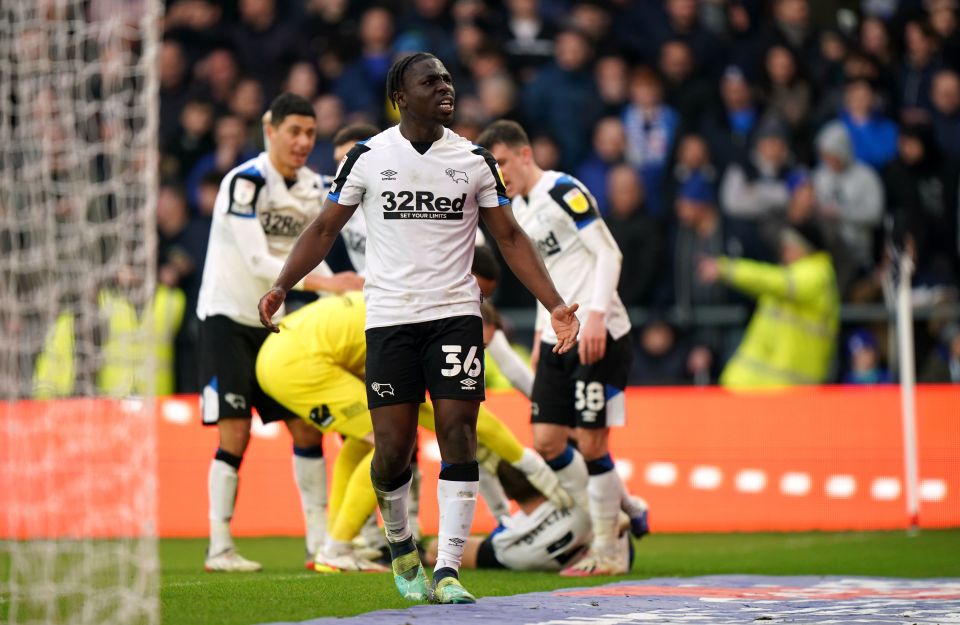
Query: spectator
329, 111
651, 128
729, 128
758, 188
864, 360
546, 152
943, 21
946, 112
246, 104
943, 364
638, 236
217, 74
610, 74
529, 38
792, 27
661, 358
562, 100
302, 80
848, 194
791, 336
194, 139
702, 232
788, 95
430, 24
173, 89
685, 91
498, 98
920, 63
682, 23
692, 158
874, 136
360, 86
265, 45
609, 148
922, 197
232, 148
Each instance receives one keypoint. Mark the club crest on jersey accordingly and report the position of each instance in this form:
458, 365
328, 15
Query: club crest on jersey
577, 201
456, 175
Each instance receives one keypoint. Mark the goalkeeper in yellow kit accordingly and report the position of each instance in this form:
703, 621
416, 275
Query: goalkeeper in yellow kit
314, 367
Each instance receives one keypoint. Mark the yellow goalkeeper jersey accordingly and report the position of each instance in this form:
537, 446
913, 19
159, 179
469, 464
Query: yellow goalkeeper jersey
331, 329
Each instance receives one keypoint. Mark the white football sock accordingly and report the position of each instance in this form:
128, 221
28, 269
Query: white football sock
413, 506
574, 478
457, 501
393, 509
222, 492
311, 477
604, 495
492, 493
372, 534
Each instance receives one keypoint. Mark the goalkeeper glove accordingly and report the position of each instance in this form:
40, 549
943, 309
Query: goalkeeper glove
542, 477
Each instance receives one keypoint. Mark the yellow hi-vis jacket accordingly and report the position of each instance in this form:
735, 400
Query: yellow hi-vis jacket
792, 334
125, 355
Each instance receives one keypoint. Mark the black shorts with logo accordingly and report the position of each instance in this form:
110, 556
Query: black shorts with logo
228, 359
443, 356
585, 396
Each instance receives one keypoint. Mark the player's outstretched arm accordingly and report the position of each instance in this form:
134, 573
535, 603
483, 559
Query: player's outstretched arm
311, 248
526, 264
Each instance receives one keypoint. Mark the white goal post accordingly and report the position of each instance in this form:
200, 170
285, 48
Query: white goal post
78, 182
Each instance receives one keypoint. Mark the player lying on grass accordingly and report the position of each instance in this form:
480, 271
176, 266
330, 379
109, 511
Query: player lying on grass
539, 536
315, 368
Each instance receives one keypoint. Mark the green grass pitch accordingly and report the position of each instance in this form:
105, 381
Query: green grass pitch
285, 591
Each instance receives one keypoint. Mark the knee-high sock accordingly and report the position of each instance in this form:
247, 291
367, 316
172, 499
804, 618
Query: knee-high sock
351, 454
604, 493
572, 472
222, 481
413, 504
457, 498
310, 474
393, 497
497, 437
359, 503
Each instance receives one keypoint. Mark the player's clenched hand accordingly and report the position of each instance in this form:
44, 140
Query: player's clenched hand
270, 303
565, 326
593, 339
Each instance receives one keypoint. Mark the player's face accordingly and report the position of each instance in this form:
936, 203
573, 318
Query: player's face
292, 141
428, 92
513, 165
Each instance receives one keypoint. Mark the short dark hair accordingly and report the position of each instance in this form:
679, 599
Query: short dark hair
503, 131
515, 483
485, 263
289, 104
354, 132
399, 67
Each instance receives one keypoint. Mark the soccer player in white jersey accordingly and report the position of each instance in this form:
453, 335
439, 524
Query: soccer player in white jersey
579, 394
539, 536
261, 207
422, 189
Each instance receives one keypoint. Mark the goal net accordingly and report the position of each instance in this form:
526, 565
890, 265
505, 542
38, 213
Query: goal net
78, 128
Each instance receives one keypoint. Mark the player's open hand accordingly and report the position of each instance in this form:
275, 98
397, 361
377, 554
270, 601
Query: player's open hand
270, 303
593, 339
566, 326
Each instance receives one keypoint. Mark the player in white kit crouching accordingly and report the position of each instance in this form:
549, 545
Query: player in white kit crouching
578, 394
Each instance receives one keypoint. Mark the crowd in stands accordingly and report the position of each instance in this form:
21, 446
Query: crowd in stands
702, 127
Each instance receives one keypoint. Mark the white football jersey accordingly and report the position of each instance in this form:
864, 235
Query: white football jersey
559, 214
421, 213
256, 220
545, 540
